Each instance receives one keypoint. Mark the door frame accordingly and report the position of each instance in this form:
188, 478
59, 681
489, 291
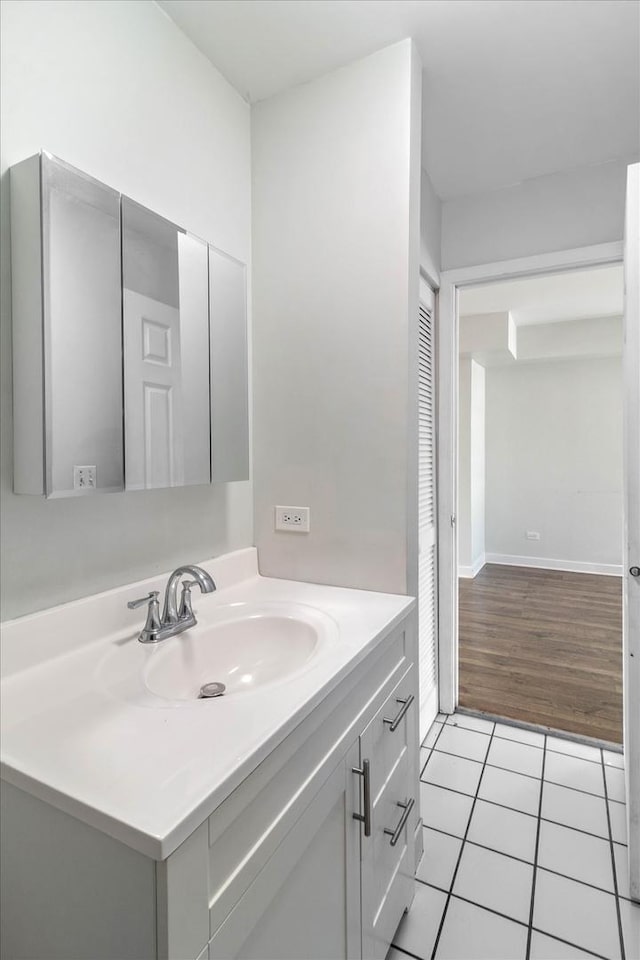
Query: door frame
428, 294
447, 427
631, 612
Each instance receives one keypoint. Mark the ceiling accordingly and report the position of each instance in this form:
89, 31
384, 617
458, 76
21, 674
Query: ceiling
512, 89
556, 297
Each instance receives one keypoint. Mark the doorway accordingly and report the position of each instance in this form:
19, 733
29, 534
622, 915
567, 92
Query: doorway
454, 281
540, 500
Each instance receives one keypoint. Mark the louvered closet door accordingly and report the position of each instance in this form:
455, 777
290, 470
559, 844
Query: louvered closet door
427, 582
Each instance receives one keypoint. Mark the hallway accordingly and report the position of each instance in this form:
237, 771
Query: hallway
543, 647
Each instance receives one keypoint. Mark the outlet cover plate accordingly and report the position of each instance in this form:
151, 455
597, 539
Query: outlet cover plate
85, 477
293, 519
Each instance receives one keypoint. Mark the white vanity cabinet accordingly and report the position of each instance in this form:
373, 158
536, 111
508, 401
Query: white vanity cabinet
306, 858
305, 901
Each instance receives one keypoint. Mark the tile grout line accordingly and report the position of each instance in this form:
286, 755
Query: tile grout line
495, 766
494, 803
565, 735
503, 916
462, 846
569, 943
527, 743
537, 849
504, 806
406, 952
583, 883
613, 858
530, 776
431, 752
546, 733
472, 903
536, 867
431, 749
527, 863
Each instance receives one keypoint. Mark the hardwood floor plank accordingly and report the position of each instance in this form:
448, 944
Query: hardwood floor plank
543, 646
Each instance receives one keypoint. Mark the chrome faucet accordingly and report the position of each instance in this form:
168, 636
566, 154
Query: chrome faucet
174, 619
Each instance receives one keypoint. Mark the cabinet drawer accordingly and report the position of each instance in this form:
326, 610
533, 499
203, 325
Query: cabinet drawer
387, 875
388, 812
387, 737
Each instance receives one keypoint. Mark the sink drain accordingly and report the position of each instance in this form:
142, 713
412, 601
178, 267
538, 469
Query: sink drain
209, 690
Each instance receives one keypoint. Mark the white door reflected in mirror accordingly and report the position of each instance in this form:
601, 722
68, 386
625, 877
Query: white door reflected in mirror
166, 352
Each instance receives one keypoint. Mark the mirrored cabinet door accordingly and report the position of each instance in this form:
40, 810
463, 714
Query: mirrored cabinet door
166, 352
66, 287
229, 368
82, 332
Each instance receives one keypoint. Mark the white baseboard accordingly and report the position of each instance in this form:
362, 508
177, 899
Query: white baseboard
468, 573
545, 563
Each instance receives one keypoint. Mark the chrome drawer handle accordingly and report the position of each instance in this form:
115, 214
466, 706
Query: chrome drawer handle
365, 773
395, 834
393, 724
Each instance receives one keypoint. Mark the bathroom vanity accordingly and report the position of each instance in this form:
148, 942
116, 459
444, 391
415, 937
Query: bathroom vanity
278, 821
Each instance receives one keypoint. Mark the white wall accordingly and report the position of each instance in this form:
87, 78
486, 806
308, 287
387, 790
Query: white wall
560, 211
116, 89
336, 238
430, 223
591, 337
554, 460
471, 466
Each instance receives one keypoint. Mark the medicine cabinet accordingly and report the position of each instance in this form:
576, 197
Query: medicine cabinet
129, 342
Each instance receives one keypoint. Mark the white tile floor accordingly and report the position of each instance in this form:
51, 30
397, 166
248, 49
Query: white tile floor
525, 849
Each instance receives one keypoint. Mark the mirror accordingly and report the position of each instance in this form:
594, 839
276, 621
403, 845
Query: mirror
129, 343
166, 352
229, 368
82, 333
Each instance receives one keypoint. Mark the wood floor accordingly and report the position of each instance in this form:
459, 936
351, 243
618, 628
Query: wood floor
543, 646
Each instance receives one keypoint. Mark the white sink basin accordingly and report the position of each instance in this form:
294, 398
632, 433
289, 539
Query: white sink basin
243, 645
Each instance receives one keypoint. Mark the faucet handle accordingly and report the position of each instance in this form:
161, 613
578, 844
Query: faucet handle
186, 609
133, 604
150, 631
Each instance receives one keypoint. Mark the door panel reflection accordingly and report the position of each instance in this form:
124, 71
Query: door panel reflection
166, 352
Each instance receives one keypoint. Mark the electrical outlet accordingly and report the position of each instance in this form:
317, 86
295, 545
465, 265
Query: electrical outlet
532, 535
85, 478
293, 519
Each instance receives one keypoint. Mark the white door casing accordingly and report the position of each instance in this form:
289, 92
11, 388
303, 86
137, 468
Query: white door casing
447, 343
427, 540
631, 614
447, 400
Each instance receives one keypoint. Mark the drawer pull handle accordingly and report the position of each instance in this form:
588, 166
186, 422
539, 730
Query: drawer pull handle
394, 724
406, 810
365, 773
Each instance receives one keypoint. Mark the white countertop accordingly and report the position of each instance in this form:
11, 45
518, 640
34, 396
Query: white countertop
144, 770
